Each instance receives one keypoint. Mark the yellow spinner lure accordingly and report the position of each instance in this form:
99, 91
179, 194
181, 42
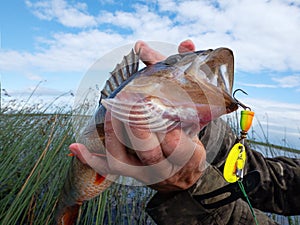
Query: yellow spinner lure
236, 159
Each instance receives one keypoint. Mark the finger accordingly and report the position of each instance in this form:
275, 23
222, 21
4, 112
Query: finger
146, 145
115, 144
198, 159
186, 46
112, 130
156, 167
99, 164
178, 147
194, 168
120, 161
148, 55
75, 149
191, 171
186, 175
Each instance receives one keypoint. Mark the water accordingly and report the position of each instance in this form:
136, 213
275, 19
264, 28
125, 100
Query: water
269, 151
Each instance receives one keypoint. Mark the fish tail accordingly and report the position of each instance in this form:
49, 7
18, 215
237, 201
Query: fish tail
82, 183
68, 205
68, 215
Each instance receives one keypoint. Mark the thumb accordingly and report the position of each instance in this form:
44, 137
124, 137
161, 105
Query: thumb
99, 164
80, 151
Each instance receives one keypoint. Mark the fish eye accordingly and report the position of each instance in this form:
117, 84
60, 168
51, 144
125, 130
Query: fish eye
173, 59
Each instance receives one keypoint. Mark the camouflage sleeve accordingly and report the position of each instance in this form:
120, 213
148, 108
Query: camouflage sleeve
277, 192
279, 189
182, 208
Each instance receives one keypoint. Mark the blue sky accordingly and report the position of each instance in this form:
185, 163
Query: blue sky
57, 41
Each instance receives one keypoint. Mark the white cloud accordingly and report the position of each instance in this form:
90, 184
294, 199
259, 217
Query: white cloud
281, 113
38, 91
260, 33
258, 85
291, 81
64, 52
288, 81
75, 15
143, 23
32, 76
277, 118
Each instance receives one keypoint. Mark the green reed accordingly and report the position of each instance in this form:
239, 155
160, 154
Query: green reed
34, 164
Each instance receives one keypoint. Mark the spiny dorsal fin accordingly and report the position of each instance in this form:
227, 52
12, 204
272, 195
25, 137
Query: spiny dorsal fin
121, 73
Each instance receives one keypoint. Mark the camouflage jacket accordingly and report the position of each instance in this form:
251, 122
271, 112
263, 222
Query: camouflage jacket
278, 190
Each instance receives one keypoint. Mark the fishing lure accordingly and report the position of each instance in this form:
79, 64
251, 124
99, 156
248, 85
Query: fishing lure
236, 159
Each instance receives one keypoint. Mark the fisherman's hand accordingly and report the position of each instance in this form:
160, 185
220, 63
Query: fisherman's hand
166, 162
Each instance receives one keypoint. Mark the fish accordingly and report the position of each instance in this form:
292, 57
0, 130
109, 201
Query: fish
187, 90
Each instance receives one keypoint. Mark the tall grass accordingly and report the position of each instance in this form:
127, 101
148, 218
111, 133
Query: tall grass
34, 163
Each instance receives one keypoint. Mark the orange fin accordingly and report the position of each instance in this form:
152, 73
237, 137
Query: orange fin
99, 179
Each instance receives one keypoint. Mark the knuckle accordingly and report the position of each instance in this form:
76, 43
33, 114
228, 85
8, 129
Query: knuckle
172, 139
151, 157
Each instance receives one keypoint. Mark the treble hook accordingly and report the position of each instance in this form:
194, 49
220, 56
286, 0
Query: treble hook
238, 102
